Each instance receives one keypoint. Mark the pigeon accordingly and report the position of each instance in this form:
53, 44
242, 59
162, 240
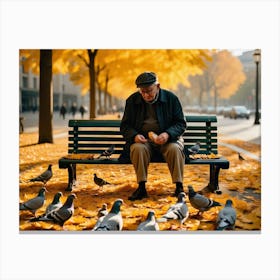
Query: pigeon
240, 157
63, 214
108, 152
226, 217
178, 211
35, 203
103, 210
150, 224
99, 181
113, 220
44, 177
194, 149
53, 206
201, 202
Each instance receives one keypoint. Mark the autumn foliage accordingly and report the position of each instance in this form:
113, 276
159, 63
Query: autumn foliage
241, 182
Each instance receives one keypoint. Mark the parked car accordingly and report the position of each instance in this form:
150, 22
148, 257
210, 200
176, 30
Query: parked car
239, 112
226, 112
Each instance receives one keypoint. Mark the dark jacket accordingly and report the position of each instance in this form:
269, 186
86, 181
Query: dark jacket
169, 113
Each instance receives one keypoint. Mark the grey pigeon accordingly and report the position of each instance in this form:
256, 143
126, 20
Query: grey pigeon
63, 214
240, 157
44, 177
113, 220
201, 202
108, 152
150, 224
99, 181
178, 211
194, 149
226, 217
53, 206
35, 203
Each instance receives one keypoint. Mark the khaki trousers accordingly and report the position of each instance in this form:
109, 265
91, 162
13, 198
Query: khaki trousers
141, 154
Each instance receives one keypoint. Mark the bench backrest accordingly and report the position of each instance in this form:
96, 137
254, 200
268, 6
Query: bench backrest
95, 136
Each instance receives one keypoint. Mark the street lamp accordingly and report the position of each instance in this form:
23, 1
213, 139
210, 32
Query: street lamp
257, 59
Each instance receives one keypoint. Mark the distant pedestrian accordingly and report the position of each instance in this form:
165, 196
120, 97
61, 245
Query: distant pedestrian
82, 111
63, 110
73, 109
21, 128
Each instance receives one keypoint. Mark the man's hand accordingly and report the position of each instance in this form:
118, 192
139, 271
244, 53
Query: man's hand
162, 138
139, 138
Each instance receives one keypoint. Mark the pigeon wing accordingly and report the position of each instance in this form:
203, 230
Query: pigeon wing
202, 203
148, 226
110, 222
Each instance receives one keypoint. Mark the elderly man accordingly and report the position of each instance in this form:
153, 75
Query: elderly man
152, 109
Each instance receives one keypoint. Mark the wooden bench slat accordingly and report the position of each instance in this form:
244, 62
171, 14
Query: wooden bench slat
96, 123
201, 118
94, 132
90, 151
97, 145
202, 128
97, 139
221, 161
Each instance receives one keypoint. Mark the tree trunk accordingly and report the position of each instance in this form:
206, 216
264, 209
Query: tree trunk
106, 94
92, 90
46, 98
215, 98
100, 110
201, 90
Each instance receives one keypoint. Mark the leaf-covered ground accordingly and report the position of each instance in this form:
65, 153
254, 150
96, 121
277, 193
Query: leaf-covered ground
241, 182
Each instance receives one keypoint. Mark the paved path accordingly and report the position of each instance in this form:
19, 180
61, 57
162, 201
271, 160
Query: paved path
240, 150
244, 130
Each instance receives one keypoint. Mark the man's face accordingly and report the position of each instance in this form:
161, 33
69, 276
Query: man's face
149, 93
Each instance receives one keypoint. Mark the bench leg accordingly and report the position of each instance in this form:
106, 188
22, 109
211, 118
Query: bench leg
71, 177
213, 185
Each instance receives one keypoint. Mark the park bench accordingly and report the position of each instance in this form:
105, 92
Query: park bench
89, 138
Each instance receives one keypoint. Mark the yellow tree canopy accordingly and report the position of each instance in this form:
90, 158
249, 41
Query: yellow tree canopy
122, 67
30, 59
227, 73
172, 67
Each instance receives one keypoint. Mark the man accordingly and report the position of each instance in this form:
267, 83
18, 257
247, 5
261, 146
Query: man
153, 109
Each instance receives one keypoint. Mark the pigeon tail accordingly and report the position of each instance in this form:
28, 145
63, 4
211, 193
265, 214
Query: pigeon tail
216, 203
224, 224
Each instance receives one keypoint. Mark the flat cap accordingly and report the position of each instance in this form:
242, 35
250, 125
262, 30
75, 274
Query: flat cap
146, 79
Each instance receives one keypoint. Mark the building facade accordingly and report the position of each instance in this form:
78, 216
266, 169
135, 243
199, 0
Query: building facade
64, 91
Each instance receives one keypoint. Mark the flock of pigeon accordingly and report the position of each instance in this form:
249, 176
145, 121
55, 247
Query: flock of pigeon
59, 213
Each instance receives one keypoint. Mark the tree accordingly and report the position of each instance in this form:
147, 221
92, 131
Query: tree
222, 77
45, 98
41, 62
